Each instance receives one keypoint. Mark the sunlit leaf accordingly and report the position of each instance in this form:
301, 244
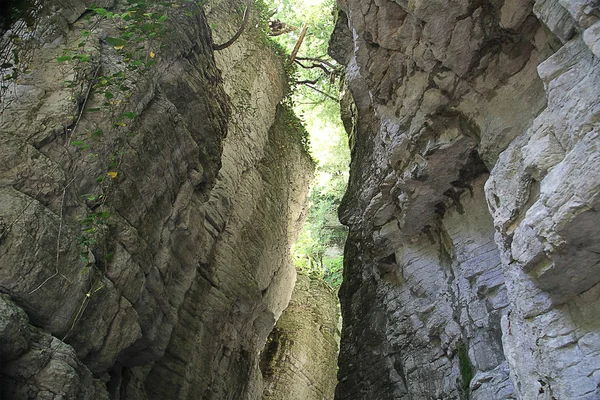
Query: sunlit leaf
113, 41
102, 11
129, 114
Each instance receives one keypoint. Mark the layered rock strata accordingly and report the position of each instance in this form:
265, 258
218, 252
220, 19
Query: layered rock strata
186, 255
471, 269
299, 359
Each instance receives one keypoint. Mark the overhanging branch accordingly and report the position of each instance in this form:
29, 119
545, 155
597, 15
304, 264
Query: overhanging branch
321, 92
239, 31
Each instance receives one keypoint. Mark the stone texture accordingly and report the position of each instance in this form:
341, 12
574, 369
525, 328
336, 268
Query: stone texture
299, 359
471, 268
36, 365
191, 270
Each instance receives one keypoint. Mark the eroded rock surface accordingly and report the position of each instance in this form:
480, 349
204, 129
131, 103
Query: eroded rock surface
472, 263
299, 359
203, 184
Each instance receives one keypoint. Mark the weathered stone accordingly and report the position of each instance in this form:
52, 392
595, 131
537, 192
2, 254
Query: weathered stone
298, 361
189, 268
472, 264
36, 365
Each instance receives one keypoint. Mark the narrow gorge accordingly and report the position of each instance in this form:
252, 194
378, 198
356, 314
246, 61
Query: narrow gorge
154, 177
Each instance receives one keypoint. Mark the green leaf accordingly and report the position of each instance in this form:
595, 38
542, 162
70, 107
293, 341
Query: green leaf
113, 41
103, 12
103, 214
127, 35
147, 27
77, 143
97, 133
82, 57
162, 19
129, 114
62, 59
108, 95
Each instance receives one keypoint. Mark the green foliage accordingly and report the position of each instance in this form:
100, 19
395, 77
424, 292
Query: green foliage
319, 246
263, 10
319, 77
318, 15
318, 249
333, 273
135, 27
295, 127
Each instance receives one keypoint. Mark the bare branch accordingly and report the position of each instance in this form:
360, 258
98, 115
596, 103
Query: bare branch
319, 60
322, 92
328, 72
239, 32
306, 82
299, 43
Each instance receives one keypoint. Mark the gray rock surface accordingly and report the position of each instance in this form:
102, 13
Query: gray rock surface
36, 365
471, 270
189, 268
299, 359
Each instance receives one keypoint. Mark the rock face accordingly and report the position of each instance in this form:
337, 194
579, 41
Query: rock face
184, 232
472, 265
298, 361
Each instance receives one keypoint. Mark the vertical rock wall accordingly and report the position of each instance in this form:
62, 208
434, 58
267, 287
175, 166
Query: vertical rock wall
299, 359
471, 270
191, 268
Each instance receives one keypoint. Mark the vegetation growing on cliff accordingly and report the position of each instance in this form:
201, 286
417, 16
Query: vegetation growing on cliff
319, 247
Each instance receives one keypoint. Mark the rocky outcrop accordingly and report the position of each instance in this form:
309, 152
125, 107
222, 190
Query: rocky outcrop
37, 365
471, 269
144, 256
298, 361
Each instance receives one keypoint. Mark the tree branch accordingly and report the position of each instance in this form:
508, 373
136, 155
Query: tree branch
322, 92
328, 72
298, 43
319, 60
306, 82
239, 32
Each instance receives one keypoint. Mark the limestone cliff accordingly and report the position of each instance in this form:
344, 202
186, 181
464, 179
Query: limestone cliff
298, 361
144, 231
471, 269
